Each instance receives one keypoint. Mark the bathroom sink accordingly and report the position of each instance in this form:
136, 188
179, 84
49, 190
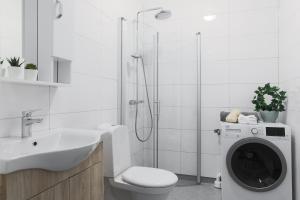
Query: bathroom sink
57, 150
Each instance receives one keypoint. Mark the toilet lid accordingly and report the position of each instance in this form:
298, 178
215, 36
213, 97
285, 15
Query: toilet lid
149, 177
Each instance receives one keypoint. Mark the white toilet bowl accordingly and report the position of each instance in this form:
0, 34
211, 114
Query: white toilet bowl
141, 183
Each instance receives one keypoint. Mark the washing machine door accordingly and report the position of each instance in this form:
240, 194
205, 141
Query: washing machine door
256, 164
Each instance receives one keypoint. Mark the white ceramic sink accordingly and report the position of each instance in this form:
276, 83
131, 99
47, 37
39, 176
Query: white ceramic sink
57, 150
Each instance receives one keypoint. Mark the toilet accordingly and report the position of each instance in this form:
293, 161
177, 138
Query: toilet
140, 183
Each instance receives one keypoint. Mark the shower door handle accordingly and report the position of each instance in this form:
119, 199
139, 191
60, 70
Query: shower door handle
158, 108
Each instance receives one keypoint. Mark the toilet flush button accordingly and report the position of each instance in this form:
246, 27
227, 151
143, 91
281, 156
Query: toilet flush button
254, 131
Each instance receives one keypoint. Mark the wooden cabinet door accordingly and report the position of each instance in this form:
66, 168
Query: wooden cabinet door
97, 185
59, 192
80, 186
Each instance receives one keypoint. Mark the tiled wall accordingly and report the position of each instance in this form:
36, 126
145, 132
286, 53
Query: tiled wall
91, 98
289, 44
239, 52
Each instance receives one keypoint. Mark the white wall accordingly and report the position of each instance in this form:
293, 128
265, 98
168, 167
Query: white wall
11, 28
92, 97
239, 52
289, 30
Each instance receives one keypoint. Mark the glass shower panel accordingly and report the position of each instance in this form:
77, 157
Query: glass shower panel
149, 55
131, 75
177, 90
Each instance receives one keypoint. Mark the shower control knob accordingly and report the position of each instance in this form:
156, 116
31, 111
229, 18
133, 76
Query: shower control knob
254, 131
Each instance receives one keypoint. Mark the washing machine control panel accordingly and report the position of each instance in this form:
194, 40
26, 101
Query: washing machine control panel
254, 131
258, 130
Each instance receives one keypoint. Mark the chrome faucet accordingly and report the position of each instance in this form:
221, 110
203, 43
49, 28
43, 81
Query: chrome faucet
27, 123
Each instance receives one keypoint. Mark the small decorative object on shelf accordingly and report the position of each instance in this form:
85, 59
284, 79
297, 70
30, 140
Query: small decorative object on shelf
269, 101
31, 72
15, 70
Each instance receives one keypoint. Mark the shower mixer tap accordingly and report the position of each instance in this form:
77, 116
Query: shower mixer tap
134, 102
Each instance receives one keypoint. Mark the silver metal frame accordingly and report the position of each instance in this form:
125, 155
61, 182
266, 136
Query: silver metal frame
198, 36
157, 103
121, 74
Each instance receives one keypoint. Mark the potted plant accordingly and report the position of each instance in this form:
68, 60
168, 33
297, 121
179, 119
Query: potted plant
15, 70
31, 72
2, 69
269, 101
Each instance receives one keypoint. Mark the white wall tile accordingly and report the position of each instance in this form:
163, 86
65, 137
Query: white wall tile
169, 95
188, 72
211, 165
84, 94
80, 120
169, 139
188, 95
18, 98
215, 48
172, 163
189, 141
189, 163
254, 71
254, 22
211, 118
169, 118
241, 95
188, 118
254, 46
169, 73
210, 143
215, 72
243, 5
215, 95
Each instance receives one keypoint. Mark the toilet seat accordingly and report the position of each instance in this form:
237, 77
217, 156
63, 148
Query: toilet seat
149, 177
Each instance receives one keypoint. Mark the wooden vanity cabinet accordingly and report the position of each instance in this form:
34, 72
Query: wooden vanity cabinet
84, 182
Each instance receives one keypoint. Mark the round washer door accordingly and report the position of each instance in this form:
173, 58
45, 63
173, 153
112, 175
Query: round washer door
256, 164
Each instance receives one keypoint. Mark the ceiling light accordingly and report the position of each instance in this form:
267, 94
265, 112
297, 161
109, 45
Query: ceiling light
209, 17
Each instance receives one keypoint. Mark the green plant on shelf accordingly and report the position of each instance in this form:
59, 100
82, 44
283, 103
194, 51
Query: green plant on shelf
269, 98
15, 61
31, 66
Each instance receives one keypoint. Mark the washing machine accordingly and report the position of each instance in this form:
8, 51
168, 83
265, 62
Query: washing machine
256, 162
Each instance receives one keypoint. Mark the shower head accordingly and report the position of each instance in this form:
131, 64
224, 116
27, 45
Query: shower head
163, 14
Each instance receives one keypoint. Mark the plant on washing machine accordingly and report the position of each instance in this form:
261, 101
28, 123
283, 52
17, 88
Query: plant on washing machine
269, 101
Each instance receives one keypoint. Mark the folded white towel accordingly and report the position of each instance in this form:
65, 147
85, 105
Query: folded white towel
251, 119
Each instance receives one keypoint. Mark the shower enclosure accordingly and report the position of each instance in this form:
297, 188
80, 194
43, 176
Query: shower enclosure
174, 90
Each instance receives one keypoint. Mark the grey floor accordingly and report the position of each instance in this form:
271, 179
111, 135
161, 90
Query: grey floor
188, 190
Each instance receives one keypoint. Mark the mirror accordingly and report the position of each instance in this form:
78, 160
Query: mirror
18, 29
39, 33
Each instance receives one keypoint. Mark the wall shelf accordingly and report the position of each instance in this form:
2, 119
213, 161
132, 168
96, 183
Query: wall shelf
34, 83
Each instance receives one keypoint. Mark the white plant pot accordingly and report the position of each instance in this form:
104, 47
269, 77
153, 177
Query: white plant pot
15, 73
30, 74
2, 71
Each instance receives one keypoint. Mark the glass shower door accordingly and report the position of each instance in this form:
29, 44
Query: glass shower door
178, 100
